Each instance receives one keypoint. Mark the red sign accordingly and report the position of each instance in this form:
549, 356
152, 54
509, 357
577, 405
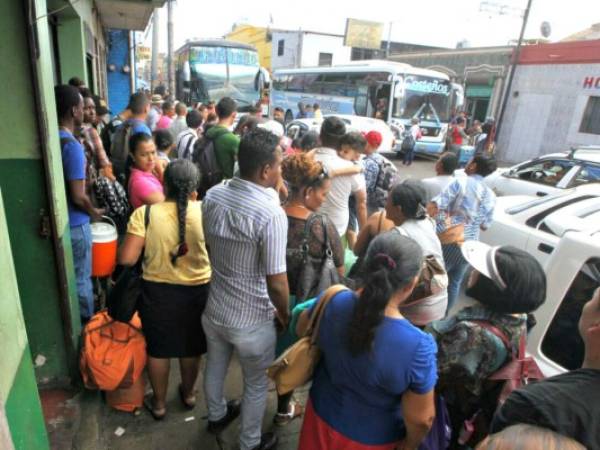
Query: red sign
591, 82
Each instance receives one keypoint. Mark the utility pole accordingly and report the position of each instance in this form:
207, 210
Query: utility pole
171, 51
389, 40
513, 66
155, 41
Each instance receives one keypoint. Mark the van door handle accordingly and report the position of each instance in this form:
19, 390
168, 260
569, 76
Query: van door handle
541, 194
545, 248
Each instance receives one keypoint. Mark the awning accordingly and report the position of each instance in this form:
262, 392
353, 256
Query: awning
127, 14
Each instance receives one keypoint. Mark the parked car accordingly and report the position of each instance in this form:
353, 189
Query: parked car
548, 174
537, 224
562, 231
299, 127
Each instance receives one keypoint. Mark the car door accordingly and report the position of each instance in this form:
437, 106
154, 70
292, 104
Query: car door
572, 273
539, 177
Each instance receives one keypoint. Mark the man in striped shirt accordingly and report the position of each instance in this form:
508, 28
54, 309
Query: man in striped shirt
246, 234
186, 139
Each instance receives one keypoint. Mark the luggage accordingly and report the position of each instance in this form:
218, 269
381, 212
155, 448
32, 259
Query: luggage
127, 399
113, 356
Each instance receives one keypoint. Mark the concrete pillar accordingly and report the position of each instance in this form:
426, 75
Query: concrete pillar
494, 105
71, 49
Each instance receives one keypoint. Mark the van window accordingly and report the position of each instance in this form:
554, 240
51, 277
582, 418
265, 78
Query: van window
562, 342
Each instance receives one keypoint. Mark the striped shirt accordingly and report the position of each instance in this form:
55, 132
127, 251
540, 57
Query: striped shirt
185, 144
246, 233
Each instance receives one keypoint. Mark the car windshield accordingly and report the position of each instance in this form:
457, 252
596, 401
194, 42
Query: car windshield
533, 203
424, 97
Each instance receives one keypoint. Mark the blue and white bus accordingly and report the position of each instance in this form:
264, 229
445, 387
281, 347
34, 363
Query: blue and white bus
393, 92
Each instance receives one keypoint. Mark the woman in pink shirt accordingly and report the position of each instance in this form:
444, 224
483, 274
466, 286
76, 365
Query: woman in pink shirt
143, 186
166, 119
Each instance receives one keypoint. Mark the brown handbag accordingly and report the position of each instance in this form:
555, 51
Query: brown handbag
453, 234
296, 365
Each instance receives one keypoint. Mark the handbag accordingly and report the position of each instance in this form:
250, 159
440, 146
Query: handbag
454, 234
433, 278
296, 365
123, 298
316, 274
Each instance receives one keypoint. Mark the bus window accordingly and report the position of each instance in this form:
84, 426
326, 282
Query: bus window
311, 84
334, 84
562, 342
296, 83
280, 82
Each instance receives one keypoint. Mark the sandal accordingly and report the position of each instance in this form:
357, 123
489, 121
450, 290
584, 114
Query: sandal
156, 413
295, 410
189, 402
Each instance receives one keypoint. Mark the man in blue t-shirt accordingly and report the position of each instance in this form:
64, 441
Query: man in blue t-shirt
69, 105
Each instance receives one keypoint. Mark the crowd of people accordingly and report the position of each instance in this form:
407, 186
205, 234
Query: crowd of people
237, 229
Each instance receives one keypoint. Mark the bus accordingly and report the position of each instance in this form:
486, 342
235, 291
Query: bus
212, 69
391, 91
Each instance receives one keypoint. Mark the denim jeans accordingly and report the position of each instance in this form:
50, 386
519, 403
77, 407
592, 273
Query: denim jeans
81, 242
456, 267
409, 156
255, 347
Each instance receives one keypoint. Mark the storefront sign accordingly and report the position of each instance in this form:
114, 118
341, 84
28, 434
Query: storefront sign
591, 83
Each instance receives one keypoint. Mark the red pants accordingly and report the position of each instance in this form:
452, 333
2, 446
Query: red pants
317, 435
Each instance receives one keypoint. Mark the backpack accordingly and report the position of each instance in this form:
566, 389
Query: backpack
387, 177
205, 158
408, 141
113, 355
517, 372
119, 149
112, 196
108, 133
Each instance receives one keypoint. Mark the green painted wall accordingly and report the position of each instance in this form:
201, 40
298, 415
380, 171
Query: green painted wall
18, 390
24, 411
25, 190
71, 49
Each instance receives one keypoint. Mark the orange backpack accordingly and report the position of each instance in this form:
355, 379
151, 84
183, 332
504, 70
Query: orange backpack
113, 355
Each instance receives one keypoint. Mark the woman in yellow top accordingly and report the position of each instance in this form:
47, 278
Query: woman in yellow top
176, 276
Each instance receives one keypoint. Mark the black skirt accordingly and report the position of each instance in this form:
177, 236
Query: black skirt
171, 319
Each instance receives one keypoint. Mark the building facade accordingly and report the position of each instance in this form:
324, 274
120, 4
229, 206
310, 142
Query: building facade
554, 102
291, 49
259, 37
46, 42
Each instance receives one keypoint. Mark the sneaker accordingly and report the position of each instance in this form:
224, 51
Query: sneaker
268, 441
233, 411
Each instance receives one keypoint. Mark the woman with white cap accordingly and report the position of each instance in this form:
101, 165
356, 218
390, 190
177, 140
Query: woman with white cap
507, 284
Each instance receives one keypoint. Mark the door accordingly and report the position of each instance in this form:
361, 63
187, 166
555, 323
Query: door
537, 178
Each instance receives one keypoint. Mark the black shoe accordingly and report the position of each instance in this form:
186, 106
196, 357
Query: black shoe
268, 441
233, 411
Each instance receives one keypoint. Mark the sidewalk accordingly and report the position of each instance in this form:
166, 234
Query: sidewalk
177, 431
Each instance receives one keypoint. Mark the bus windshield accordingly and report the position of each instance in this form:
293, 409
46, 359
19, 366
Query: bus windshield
219, 72
424, 97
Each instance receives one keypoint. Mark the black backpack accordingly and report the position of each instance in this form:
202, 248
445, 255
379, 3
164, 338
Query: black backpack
108, 133
119, 150
408, 142
205, 158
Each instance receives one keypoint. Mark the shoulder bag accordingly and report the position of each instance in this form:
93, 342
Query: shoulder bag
123, 298
296, 365
315, 278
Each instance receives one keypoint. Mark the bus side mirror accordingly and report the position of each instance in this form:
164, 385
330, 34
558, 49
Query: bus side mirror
399, 88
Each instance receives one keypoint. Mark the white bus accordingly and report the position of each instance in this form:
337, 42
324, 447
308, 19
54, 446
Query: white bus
393, 92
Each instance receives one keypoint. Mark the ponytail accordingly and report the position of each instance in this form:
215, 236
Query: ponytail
181, 180
391, 263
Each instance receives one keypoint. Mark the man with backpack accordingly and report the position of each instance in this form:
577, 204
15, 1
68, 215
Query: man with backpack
184, 147
69, 105
380, 174
139, 106
216, 153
